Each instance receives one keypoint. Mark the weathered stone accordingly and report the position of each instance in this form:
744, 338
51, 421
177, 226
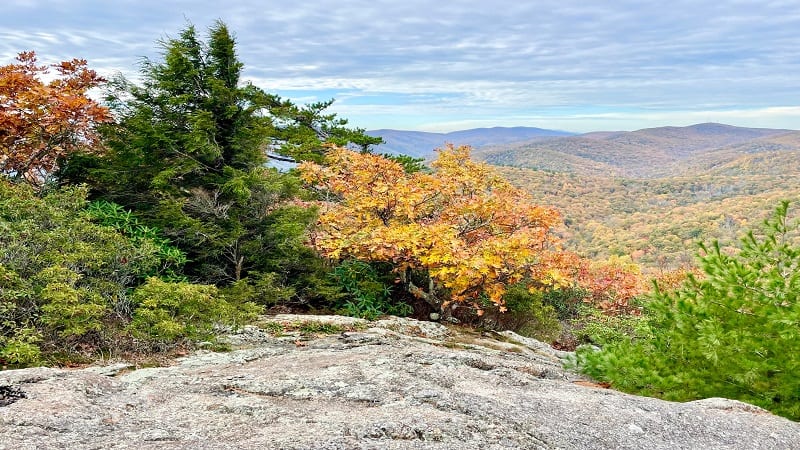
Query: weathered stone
411, 327
329, 320
397, 385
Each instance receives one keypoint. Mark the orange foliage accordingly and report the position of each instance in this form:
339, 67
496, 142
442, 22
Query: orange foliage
671, 280
41, 123
463, 226
612, 283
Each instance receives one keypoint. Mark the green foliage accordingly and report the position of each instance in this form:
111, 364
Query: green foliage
368, 296
263, 290
593, 326
734, 333
72, 309
62, 276
566, 301
70, 283
187, 159
21, 349
527, 314
113, 215
320, 328
409, 163
167, 312
302, 132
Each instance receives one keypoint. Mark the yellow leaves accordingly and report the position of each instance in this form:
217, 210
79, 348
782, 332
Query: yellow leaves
463, 225
556, 279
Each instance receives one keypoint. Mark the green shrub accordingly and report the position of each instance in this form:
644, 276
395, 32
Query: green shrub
526, 314
566, 301
21, 348
113, 215
260, 289
368, 296
167, 312
593, 326
67, 307
69, 284
63, 278
734, 333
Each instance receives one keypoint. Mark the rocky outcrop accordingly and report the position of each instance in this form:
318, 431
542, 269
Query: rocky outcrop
396, 384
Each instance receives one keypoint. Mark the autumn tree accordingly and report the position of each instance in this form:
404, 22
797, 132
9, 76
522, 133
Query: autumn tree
611, 284
458, 234
43, 122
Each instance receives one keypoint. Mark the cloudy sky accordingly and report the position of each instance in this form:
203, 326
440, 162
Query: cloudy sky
575, 65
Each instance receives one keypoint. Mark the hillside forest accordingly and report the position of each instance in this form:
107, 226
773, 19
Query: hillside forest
653, 194
139, 219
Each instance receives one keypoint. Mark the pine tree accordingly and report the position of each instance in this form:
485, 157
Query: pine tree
188, 156
733, 333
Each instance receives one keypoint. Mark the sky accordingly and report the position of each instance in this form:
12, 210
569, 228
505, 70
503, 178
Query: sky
449, 65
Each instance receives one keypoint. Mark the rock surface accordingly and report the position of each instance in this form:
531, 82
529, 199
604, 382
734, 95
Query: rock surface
395, 384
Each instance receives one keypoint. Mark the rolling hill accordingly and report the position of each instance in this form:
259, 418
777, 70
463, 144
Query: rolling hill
647, 153
422, 144
651, 194
654, 193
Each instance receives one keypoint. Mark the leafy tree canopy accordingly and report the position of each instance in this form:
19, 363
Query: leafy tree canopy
461, 229
188, 156
42, 123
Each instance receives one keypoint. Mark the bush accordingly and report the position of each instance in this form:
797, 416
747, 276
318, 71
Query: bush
263, 290
735, 333
566, 301
66, 282
67, 306
168, 312
20, 349
63, 278
526, 314
594, 326
113, 215
367, 295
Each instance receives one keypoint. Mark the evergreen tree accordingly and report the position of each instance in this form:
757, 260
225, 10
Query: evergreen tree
734, 333
188, 156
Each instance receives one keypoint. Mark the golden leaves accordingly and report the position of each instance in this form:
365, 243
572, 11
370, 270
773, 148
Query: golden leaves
466, 227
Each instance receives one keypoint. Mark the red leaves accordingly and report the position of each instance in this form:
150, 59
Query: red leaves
42, 123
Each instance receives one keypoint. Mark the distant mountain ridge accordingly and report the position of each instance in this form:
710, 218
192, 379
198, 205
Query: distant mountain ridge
422, 144
646, 153
652, 194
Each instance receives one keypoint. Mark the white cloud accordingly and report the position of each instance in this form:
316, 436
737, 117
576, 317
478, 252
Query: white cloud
462, 61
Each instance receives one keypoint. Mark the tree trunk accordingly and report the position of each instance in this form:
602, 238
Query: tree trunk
418, 292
